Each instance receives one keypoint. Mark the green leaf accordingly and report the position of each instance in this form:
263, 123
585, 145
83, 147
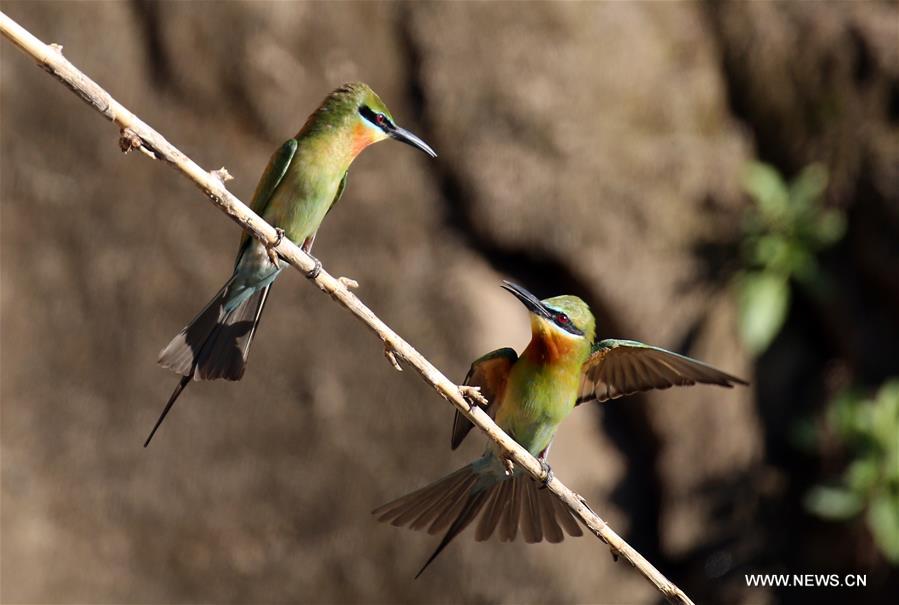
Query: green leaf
808, 186
772, 250
764, 298
883, 519
802, 265
849, 416
885, 421
829, 227
806, 271
863, 474
833, 503
767, 188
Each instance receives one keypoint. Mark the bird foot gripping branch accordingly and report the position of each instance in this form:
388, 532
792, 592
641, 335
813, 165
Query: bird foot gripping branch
547, 473
270, 248
316, 270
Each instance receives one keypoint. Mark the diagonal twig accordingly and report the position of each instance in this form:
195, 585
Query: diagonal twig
137, 135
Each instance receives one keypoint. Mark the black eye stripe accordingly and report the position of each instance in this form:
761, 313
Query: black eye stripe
378, 119
563, 321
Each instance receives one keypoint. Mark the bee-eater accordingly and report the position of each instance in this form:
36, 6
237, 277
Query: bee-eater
529, 395
303, 180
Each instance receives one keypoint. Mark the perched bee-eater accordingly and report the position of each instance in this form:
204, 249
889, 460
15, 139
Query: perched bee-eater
303, 180
529, 395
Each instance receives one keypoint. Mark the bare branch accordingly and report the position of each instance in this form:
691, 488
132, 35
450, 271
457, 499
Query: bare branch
135, 134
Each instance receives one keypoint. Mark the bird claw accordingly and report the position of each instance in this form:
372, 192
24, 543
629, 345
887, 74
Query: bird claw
316, 269
472, 395
270, 248
510, 466
547, 473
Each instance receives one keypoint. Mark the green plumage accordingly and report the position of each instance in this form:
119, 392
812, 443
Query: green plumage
302, 181
529, 396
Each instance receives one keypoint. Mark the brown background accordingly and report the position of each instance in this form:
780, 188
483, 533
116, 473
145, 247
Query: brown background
593, 149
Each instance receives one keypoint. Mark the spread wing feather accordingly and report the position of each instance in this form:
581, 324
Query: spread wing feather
617, 368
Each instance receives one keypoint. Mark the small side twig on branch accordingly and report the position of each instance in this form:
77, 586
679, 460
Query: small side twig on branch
135, 134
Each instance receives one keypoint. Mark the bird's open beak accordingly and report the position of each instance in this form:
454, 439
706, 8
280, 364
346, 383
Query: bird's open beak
404, 136
528, 300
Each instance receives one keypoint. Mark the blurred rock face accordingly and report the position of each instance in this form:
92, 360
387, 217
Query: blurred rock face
584, 148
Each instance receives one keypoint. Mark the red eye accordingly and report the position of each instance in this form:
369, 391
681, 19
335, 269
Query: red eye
381, 120
562, 318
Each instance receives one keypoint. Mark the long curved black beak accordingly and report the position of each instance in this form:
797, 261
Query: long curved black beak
404, 136
528, 300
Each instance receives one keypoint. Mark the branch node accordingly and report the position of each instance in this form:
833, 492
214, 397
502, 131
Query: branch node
348, 283
148, 152
222, 174
56, 47
472, 395
390, 354
130, 140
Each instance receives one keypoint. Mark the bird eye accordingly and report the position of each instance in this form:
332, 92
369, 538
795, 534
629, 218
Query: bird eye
562, 318
378, 119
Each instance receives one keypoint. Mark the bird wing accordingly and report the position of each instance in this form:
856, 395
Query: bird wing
489, 373
271, 178
617, 368
339, 193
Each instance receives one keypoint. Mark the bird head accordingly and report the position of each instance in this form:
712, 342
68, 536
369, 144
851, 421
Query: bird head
562, 323
357, 112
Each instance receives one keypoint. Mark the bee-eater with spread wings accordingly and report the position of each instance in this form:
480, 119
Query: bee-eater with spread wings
303, 180
529, 396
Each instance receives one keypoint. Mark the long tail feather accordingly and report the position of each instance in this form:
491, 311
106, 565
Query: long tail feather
499, 500
466, 516
168, 406
551, 530
531, 527
506, 506
509, 523
180, 355
565, 518
215, 344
